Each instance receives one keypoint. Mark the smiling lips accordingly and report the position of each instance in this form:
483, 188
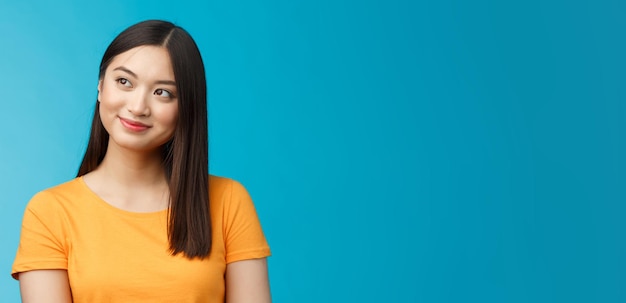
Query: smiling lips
133, 125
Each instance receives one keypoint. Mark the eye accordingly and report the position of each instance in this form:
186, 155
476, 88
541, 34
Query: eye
124, 82
164, 93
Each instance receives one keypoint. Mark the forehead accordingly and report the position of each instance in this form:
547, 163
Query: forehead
146, 61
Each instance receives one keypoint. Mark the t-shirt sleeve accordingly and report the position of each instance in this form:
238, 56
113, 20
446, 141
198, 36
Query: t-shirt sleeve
42, 239
243, 236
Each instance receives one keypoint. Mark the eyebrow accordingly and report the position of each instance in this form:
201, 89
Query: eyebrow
124, 69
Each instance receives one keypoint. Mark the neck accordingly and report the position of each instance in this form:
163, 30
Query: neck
132, 169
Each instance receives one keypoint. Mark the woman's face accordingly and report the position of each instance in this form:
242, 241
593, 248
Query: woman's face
138, 99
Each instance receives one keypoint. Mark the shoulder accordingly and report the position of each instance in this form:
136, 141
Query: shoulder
57, 196
227, 194
51, 209
221, 185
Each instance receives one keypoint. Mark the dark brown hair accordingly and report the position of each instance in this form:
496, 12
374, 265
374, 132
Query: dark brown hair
185, 156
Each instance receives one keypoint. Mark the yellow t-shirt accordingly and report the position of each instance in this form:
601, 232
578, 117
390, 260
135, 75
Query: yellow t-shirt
112, 255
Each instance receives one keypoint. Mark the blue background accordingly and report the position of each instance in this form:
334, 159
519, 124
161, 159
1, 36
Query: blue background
397, 151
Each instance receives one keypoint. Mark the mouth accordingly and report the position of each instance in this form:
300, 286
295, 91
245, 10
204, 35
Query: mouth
132, 125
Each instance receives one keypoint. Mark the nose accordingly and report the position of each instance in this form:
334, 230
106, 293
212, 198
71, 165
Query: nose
138, 104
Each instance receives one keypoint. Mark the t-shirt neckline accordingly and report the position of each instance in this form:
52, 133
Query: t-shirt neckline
120, 211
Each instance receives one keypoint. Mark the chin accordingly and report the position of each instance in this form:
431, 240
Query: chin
146, 146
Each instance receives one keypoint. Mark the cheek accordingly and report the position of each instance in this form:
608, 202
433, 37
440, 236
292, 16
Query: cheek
168, 116
109, 107
174, 120
109, 102
105, 110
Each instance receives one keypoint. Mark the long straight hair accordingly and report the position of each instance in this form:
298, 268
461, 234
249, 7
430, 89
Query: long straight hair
185, 156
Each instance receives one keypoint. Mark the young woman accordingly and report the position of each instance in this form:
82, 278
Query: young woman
143, 221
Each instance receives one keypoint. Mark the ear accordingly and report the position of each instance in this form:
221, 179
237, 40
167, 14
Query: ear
99, 89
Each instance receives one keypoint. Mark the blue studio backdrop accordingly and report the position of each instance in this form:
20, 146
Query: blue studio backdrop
396, 151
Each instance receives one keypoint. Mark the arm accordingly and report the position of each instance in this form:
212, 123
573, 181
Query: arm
247, 281
49, 286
